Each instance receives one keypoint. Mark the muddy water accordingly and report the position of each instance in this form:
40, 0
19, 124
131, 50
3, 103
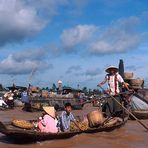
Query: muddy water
132, 135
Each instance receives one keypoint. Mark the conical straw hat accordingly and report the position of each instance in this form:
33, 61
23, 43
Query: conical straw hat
49, 110
111, 67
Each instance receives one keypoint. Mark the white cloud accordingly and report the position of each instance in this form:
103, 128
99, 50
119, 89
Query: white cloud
119, 37
21, 19
73, 69
117, 45
74, 36
18, 21
47, 7
78, 7
24, 62
31, 54
93, 72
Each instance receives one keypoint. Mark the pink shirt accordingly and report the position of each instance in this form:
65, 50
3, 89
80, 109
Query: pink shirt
48, 124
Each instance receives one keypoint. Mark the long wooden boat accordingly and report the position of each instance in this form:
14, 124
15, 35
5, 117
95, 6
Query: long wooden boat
25, 135
140, 114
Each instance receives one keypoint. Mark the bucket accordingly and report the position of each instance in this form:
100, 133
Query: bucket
95, 118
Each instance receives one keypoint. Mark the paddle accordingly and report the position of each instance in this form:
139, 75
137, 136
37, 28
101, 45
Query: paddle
125, 108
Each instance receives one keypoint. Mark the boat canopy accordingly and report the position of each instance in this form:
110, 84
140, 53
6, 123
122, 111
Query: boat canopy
138, 103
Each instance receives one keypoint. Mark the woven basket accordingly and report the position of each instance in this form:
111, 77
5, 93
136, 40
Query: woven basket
22, 124
128, 75
45, 94
95, 118
136, 82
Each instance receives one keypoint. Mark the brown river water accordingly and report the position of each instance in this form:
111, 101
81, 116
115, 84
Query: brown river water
131, 135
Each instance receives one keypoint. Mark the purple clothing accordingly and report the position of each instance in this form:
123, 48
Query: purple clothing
48, 124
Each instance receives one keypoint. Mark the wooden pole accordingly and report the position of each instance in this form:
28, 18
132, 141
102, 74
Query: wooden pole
125, 109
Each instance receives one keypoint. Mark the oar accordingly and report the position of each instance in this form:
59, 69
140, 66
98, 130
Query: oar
125, 108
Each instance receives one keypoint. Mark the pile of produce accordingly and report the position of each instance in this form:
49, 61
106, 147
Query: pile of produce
83, 125
22, 124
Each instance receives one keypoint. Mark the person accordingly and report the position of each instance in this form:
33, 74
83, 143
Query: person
8, 96
48, 122
25, 100
3, 103
114, 79
66, 117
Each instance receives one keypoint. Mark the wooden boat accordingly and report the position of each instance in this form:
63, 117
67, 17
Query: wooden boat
140, 114
24, 135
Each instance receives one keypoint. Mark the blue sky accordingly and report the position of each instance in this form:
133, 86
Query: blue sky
42, 41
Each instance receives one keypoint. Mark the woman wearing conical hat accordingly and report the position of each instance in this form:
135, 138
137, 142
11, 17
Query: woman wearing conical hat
48, 123
113, 78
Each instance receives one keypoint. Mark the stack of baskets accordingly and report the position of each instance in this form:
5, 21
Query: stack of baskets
135, 83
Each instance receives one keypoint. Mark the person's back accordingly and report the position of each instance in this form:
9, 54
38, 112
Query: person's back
48, 124
24, 97
25, 100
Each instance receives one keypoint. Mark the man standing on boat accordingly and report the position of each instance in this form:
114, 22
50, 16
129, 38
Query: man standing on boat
114, 80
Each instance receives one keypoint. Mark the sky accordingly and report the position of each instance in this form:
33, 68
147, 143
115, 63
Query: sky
43, 41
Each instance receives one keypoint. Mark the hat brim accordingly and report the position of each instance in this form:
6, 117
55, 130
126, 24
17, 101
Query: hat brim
111, 68
49, 110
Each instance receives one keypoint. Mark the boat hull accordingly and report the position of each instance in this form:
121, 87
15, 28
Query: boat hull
140, 114
22, 135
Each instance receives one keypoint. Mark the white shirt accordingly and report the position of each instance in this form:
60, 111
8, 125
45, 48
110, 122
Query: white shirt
113, 83
2, 102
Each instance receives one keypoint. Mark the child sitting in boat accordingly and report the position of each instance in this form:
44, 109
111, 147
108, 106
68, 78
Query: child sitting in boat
48, 122
66, 117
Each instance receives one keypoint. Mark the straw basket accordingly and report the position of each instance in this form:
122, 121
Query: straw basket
137, 82
95, 118
22, 124
128, 75
34, 89
45, 93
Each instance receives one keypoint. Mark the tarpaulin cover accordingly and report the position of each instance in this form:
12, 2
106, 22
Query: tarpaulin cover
138, 103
